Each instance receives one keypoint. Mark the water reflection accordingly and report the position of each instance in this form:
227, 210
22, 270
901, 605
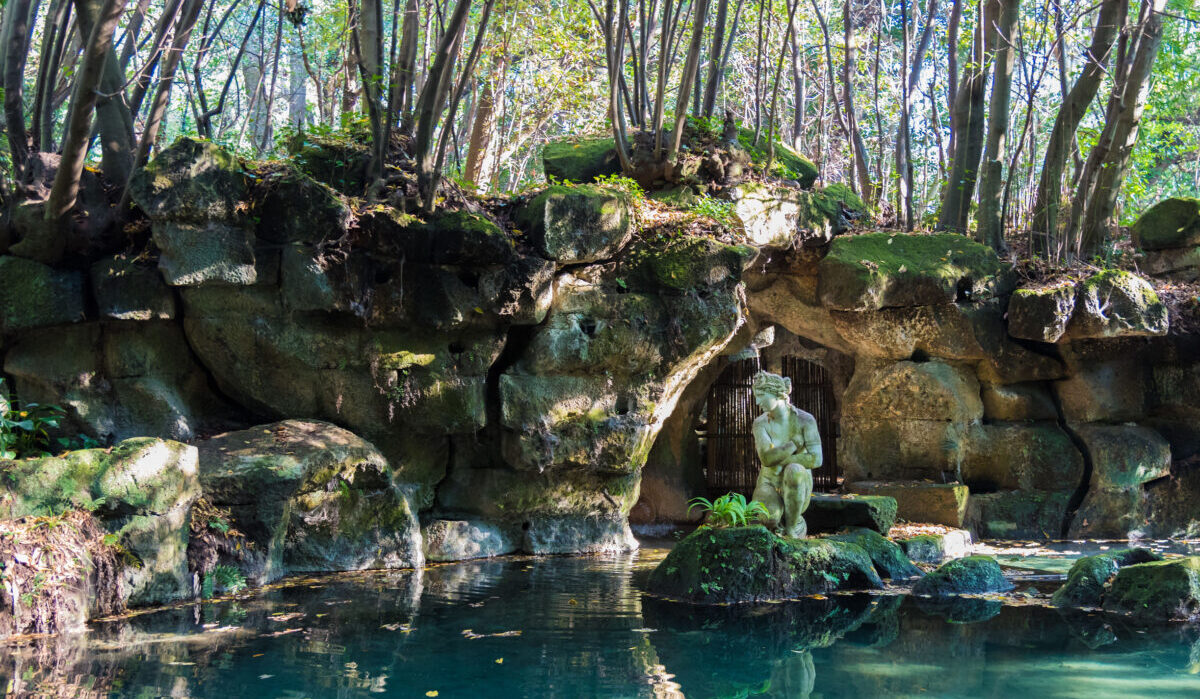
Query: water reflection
579, 627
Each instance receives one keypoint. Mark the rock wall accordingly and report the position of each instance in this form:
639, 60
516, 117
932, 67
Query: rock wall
505, 389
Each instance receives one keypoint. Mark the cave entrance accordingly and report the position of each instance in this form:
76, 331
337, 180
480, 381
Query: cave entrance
731, 464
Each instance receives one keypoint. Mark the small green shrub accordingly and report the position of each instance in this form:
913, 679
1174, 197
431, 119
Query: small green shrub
718, 210
729, 510
24, 428
624, 184
222, 579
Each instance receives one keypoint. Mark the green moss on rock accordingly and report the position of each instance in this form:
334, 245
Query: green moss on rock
879, 270
970, 575
684, 264
1116, 303
831, 513
33, 295
750, 564
889, 559
1159, 590
788, 163
1088, 576
192, 180
580, 159
1171, 223
574, 224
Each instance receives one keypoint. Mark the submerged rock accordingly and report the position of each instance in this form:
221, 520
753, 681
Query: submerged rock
460, 540
971, 575
889, 559
750, 564
311, 497
1159, 590
1088, 576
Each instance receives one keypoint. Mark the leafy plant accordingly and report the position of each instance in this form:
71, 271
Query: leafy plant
729, 510
222, 578
24, 428
717, 209
624, 184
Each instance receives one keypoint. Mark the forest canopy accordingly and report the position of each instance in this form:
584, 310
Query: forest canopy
1050, 123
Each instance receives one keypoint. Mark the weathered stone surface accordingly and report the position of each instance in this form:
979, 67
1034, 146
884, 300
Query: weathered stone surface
127, 290
897, 449
297, 208
116, 380
1088, 576
213, 252
942, 331
913, 391
33, 295
887, 556
935, 548
1041, 314
789, 300
1171, 223
1039, 456
574, 533
970, 575
1017, 402
192, 180
580, 159
1110, 514
784, 217
832, 513
1181, 263
1125, 455
1159, 590
141, 490
1116, 304
750, 564
460, 540
311, 497
1172, 505
1111, 390
920, 501
335, 160
444, 238
572, 224
1017, 514
878, 270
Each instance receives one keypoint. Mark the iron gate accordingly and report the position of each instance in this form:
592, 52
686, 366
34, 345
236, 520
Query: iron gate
731, 464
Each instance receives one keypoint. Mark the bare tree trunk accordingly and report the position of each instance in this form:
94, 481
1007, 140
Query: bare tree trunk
857, 148
114, 121
690, 67
297, 89
43, 121
483, 128
367, 41
19, 36
989, 218
801, 101
952, 67
1062, 137
47, 244
714, 58
1120, 133
783, 46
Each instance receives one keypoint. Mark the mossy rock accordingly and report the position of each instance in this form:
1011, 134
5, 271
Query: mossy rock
1041, 314
192, 180
297, 208
879, 270
1088, 576
572, 224
1116, 303
684, 264
831, 513
33, 295
788, 163
750, 564
845, 196
972, 575
454, 238
887, 556
1018, 514
1171, 223
580, 159
339, 162
1157, 591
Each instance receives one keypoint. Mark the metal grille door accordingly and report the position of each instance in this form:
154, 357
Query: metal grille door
732, 464
812, 392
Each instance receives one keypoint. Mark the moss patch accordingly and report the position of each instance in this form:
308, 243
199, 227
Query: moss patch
1159, 590
580, 159
1171, 223
888, 558
1088, 575
970, 575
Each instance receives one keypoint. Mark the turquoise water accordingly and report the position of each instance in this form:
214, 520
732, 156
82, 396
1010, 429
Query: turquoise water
579, 627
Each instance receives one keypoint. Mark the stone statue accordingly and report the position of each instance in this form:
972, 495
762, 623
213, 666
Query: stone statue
789, 447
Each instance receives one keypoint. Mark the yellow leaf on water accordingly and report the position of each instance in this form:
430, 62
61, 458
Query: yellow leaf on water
431, 693
573, 601
499, 661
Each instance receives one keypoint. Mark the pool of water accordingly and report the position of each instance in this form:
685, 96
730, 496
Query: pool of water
580, 627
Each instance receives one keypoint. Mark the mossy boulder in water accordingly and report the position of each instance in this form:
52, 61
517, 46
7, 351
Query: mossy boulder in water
1115, 303
878, 270
887, 556
1041, 314
964, 576
750, 564
571, 224
1158, 590
580, 159
33, 295
311, 497
1088, 576
1171, 223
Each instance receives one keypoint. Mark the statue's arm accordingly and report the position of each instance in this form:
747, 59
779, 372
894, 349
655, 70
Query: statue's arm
811, 454
769, 454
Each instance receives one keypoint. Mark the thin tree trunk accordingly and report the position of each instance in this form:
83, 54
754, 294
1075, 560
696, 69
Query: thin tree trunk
714, 58
114, 122
952, 68
44, 121
690, 67
989, 219
19, 34
857, 148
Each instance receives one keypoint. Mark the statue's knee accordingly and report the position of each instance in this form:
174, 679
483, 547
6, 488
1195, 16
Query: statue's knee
793, 474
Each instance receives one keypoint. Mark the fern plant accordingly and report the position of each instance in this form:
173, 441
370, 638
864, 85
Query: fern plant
729, 510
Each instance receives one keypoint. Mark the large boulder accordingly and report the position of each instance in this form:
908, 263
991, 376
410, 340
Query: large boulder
1021, 456
310, 497
1124, 458
1157, 591
578, 533
785, 217
580, 159
296, 208
127, 289
935, 548
1088, 576
1017, 402
213, 252
750, 564
1171, 223
573, 224
970, 575
1104, 389
141, 491
33, 295
877, 270
460, 539
913, 391
886, 555
1115, 303
1041, 314
1178, 263
1017, 514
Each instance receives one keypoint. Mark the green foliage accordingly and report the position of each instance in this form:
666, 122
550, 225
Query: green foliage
627, 185
717, 209
729, 510
24, 428
222, 579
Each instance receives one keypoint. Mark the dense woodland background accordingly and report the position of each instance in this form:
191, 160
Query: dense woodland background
1035, 125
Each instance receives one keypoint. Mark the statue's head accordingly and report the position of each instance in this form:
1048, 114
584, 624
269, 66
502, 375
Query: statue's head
770, 388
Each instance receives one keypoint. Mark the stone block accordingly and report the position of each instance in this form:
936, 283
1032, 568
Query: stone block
920, 501
33, 295
831, 513
127, 290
